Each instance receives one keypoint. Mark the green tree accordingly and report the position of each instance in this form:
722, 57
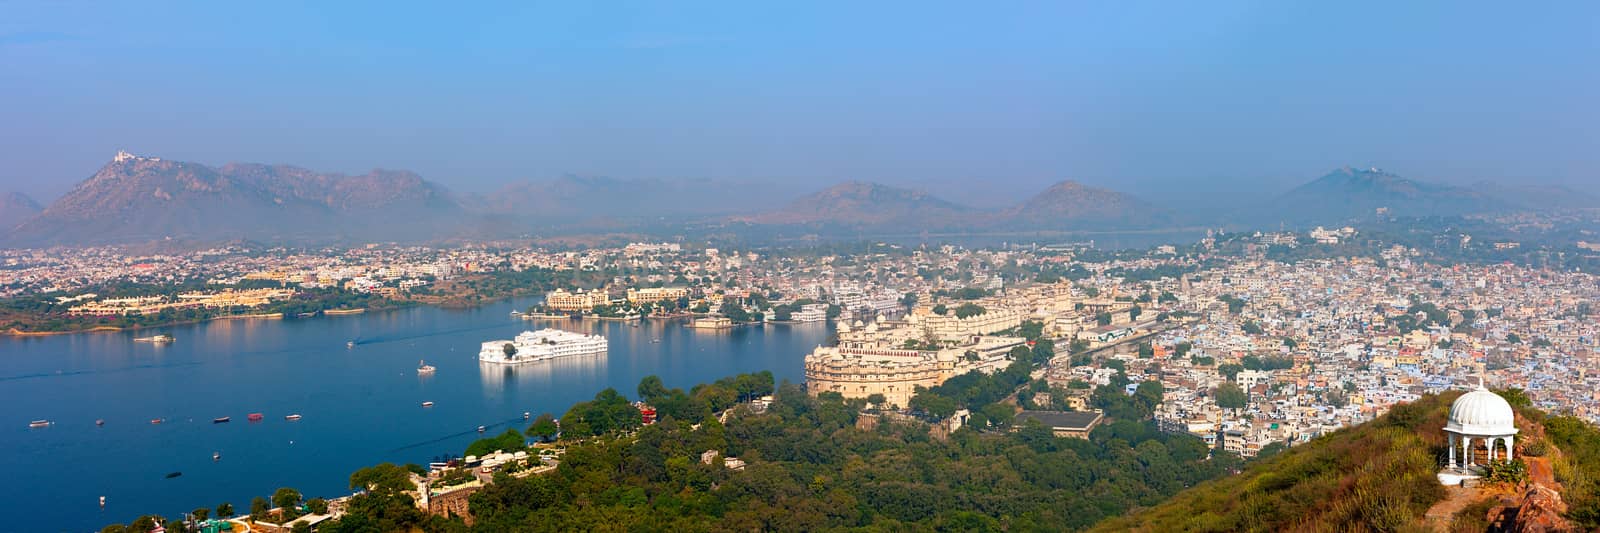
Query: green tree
384, 478
259, 508
1230, 396
286, 498
544, 428
225, 510
317, 506
509, 349
651, 388
969, 310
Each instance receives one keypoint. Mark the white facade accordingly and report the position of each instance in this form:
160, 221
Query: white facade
545, 344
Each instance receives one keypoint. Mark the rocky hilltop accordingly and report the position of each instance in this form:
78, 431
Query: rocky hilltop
1073, 204
140, 199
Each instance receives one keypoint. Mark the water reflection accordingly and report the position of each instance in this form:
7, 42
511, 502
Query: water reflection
497, 377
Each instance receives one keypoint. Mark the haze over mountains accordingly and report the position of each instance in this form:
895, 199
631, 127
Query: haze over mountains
137, 199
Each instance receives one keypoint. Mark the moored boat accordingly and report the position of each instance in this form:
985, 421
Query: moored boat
100, 422
255, 417
216, 456
295, 416
427, 404
39, 423
424, 368
221, 419
171, 475
481, 429
157, 420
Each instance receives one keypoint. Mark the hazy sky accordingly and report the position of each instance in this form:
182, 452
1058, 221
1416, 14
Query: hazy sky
973, 99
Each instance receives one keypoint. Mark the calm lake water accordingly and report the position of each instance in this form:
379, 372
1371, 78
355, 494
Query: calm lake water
360, 406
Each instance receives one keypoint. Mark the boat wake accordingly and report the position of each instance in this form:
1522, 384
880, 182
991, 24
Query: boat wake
397, 338
38, 375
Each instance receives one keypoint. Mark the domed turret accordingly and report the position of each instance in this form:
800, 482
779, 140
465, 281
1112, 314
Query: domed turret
1481, 412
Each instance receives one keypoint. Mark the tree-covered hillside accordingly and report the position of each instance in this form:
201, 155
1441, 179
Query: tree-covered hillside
815, 464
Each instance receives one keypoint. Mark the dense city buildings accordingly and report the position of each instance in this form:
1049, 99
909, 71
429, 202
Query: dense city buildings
1254, 339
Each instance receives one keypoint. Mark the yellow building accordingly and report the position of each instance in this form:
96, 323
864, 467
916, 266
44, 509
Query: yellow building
561, 300
656, 294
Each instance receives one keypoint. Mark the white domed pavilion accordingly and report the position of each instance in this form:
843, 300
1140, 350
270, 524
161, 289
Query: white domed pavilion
1480, 421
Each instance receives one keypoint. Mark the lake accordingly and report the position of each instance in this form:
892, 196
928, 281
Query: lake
360, 405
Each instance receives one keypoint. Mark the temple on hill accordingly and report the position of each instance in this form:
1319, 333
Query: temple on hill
1481, 428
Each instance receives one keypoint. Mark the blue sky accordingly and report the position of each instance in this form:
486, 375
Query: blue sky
981, 101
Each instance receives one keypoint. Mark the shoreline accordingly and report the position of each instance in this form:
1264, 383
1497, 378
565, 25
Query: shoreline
14, 332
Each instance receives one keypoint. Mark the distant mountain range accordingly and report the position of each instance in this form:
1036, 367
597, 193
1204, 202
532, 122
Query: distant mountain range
861, 205
570, 197
138, 199
1349, 193
15, 208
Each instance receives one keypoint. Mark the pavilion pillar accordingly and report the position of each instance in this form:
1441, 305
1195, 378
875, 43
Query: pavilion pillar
1509, 441
1452, 440
1466, 446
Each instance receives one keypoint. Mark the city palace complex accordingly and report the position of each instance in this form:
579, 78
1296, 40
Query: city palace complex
1250, 347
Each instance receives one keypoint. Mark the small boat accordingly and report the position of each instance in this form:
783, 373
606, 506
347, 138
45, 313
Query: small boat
526, 415
100, 422
157, 420
171, 475
481, 429
216, 456
292, 417
424, 368
221, 420
653, 341
427, 404
102, 501
39, 423
254, 417
351, 344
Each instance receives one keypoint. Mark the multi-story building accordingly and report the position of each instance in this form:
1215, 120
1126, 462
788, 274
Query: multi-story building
810, 313
861, 371
656, 294
561, 300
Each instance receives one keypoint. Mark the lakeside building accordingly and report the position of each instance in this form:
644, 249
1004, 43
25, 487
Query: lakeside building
561, 300
810, 313
148, 305
656, 294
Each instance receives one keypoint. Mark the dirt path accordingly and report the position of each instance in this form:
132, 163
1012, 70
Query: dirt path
1456, 499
